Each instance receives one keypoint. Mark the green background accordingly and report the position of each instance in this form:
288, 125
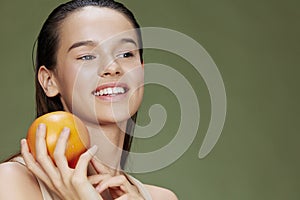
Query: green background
255, 45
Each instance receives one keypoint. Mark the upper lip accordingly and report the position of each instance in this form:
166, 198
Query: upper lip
111, 85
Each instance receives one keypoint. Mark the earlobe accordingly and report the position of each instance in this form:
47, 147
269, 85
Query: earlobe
47, 81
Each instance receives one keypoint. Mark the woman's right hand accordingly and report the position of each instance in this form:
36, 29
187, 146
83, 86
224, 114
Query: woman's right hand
65, 182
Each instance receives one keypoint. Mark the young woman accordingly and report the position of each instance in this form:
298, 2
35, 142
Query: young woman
89, 62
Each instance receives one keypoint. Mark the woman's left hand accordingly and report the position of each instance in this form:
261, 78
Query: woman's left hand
119, 186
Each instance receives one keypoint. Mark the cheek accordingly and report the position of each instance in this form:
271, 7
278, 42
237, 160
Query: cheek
136, 95
71, 86
66, 95
135, 77
136, 100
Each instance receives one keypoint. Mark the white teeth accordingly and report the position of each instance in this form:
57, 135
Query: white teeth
105, 91
110, 91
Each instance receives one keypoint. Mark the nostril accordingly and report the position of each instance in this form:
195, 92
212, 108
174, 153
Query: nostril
110, 72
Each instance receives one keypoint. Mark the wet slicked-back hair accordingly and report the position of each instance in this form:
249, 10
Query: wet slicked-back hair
46, 54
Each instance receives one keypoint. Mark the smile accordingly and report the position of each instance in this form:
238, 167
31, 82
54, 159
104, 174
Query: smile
110, 91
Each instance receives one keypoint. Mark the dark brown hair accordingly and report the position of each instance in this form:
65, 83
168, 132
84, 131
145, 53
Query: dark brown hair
47, 45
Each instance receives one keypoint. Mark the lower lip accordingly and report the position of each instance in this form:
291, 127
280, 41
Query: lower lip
112, 98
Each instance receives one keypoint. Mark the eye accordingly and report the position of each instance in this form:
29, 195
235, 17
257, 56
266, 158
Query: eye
86, 57
126, 55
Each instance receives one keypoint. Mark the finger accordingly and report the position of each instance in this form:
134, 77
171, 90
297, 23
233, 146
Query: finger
32, 165
96, 179
60, 149
116, 181
40, 145
44, 159
84, 159
80, 171
100, 167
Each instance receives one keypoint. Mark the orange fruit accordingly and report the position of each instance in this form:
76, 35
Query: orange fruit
78, 141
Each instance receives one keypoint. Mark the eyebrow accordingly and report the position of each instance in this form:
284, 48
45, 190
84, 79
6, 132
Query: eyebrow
94, 44
128, 40
83, 43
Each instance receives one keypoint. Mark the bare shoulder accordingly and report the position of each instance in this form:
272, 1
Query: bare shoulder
159, 193
17, 183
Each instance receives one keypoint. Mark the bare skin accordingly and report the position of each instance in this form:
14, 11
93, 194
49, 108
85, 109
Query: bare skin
97, 64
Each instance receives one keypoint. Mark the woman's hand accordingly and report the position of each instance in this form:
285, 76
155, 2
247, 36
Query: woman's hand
65, 182
118, 185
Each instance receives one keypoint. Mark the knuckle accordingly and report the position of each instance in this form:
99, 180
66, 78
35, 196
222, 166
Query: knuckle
85, 157
126, 196
136, 196
107, 176
67, 182
56, 180
75, 181
56, 155
122, 178
51, 186
30, 167
57, 183
40, 157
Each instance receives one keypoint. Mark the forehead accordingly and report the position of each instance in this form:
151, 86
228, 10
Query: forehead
94, 23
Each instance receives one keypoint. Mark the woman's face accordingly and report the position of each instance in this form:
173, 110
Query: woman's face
99, 74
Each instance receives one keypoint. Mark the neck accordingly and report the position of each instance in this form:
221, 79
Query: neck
110, 139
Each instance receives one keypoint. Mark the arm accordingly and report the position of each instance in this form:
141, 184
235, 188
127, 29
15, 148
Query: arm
17, 183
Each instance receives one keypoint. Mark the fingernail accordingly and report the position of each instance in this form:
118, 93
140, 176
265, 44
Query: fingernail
23, 141
93, 149
66, 131
41, 126
99, 188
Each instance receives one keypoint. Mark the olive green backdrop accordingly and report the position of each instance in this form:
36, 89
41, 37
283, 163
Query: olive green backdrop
255, 45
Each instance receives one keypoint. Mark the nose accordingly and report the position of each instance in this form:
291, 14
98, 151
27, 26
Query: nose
110, 70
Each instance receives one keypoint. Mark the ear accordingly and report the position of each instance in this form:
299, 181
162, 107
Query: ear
47, 81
